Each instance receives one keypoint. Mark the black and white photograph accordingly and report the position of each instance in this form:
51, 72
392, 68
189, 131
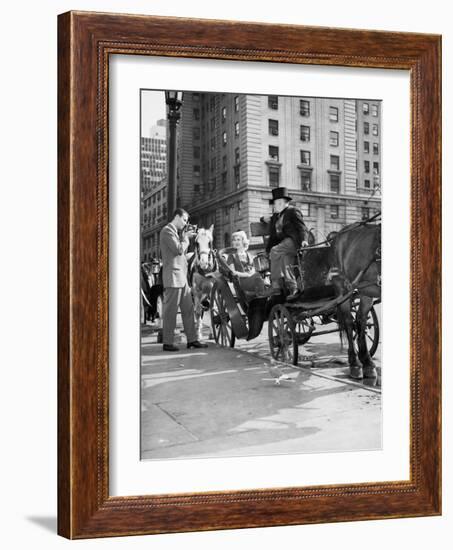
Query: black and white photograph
260, 274
197, 248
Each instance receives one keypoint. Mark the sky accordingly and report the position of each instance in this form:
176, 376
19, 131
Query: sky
153, 109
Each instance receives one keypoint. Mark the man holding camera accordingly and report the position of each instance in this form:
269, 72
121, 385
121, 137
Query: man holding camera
174, 241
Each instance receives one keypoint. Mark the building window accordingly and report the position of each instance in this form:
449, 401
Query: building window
213, 164
236, 103
334, 183
334, 139
333, 114
212, 104
224, 138
237, 156
305, 181
196, 97
273, 152
366, 146
334, 162
196, 133
236, 129
375, 148
272, 102
375, 130
274, 176
196, 114
196, 170
376, 168
212, 123
366, 127
213, 143
224, 162
334, 211
224, 180
305, 158
226, 240
196, 152
237, 176
223, 114
374, 110
273, 127
366, 164
304, 107
365, 212
366, 184
305, 133
366, 108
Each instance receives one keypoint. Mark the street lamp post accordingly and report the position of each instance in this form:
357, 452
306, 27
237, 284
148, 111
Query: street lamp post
173, 99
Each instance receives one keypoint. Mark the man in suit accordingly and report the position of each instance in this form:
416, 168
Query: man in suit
174, 242
287, 235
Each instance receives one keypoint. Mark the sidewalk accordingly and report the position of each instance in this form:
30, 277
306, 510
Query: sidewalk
224, 402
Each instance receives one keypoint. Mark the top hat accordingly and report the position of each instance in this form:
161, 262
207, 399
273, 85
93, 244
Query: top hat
280, 193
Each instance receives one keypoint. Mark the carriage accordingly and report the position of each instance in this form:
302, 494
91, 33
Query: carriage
236, 314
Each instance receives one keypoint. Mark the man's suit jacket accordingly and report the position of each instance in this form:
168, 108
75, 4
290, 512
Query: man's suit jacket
293, 226
174, 261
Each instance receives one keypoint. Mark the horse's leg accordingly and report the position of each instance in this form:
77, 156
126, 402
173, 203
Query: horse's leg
369, 368
346, 325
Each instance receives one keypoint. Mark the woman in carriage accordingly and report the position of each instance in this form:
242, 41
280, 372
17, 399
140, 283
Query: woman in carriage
241, 265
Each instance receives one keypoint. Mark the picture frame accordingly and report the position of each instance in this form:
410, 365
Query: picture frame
85, 42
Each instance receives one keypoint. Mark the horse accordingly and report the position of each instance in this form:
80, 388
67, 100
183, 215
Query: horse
355, 254
202, 270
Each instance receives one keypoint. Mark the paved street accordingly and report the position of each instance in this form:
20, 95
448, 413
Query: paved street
324, 354
225, 402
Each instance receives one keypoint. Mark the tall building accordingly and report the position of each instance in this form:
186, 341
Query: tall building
153, 162
154, 156
234, 148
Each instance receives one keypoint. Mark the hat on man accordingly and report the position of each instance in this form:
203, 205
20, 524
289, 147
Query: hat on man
280, 193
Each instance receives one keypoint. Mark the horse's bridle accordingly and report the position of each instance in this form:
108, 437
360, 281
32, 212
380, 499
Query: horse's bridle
210, 261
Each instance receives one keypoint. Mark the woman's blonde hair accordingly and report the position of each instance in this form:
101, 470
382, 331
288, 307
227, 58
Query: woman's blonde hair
243, 235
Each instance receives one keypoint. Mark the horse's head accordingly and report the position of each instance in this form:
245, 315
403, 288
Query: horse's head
203, 246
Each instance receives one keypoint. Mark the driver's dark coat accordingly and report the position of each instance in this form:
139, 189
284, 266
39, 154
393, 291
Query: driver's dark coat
293, 227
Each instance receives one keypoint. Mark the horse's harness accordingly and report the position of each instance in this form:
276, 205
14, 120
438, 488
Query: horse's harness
210, 260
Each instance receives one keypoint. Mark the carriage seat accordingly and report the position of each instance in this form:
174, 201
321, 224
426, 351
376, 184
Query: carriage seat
312, 265
244, 296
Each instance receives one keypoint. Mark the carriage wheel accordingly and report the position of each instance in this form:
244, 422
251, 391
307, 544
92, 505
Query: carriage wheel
304, 329
222, 329
282, 335
372, 329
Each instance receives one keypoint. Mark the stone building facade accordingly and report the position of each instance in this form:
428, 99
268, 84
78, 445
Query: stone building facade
233, 148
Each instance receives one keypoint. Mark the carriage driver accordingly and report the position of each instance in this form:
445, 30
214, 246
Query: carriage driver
287, 235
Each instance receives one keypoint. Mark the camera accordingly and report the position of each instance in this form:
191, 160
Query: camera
190, 227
